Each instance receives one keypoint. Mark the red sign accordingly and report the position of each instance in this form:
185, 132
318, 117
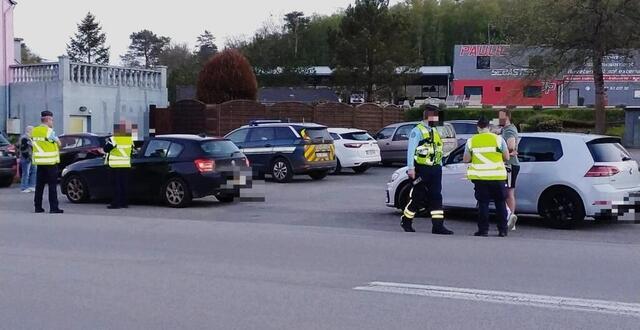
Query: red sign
483, 50
610, 78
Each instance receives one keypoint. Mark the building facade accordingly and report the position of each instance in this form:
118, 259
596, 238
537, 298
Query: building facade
503, 79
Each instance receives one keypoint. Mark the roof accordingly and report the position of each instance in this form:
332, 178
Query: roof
338, 130
305, 95
426, 70
86, 134
313, 125
186, 137
560, 135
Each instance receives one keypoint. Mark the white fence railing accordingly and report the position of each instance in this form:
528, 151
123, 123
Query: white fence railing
35, 72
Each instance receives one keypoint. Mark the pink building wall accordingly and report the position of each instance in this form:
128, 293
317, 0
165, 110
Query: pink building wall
6, 40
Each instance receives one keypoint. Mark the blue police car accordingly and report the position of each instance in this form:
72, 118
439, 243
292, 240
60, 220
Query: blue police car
285, 149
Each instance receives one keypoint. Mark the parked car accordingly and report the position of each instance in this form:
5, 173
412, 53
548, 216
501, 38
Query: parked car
172, 168
393, 141
355, 149
564, 177
6, 147
284, 149
77, 147
465, 129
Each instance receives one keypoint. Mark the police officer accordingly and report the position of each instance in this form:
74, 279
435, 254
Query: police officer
46, 156
487, 153
118, 150
424, 159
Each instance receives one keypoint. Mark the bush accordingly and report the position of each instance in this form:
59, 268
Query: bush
537, 107
616, 131
543, 123
487, 106
442, 106
227, 76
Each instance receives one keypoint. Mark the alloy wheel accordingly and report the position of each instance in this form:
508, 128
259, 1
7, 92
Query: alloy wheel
280, 170
75, 189
175, 192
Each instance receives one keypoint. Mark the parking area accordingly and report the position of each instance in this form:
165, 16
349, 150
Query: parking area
349, 201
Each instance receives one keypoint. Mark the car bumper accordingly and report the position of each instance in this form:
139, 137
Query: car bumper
605, 200
390, 194
7, 172
211, 184
307, 167
355, 161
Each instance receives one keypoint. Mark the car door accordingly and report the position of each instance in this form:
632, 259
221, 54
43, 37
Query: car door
400, 142
150, 169
260, 145
457, 190
384, 142
538, 158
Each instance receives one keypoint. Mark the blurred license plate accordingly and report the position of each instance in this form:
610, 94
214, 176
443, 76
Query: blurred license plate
371, 152
322, 154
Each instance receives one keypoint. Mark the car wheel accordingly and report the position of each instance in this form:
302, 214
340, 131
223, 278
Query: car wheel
361, 169
6, 182
225, 198
281, 170
403, 196
338, 168
318, 175
562, 208
76, 189
176, 193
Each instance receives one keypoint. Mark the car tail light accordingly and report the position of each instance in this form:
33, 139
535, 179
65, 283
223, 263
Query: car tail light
602, 171
353, 145
205, 165
11, 149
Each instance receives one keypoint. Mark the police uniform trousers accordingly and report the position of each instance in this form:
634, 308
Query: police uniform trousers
47, 175
486, 192
120, 187
427, 194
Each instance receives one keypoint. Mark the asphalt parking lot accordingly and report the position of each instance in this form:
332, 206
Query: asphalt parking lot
349, 201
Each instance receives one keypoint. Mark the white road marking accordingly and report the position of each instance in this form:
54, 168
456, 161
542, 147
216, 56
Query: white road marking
503, 297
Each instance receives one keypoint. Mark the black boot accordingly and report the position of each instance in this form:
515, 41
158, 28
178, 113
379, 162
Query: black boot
406, 224
439, 228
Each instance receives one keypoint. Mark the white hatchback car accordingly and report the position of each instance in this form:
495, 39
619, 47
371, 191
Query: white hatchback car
564, 177
355, 149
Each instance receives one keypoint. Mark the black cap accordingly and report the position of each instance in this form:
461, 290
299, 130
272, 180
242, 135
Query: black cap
483, 122
46, 113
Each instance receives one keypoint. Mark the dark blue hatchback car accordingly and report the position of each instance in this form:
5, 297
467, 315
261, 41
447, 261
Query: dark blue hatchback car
284, 149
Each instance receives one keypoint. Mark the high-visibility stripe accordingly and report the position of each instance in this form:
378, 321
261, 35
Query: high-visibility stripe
437, 216
409, 214
437, 212
485, 166
497, 173
45, 153
484, 150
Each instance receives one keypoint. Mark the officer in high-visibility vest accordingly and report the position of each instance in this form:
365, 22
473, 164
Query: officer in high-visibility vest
46, 156
118, 158
424, 160
487, 153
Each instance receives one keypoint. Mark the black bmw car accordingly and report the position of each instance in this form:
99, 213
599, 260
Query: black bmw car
173, 169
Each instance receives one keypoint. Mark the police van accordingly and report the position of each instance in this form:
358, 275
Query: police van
283, 150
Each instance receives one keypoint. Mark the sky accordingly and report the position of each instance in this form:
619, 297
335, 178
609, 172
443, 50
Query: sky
47, 25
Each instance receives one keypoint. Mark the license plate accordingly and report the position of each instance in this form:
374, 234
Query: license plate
322, 154
371, 152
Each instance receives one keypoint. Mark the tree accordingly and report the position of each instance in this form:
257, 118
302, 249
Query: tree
27, 56
205, 46
295, 23
365, 45
227, 76
182, 67
575, 34
145, 49
88, 44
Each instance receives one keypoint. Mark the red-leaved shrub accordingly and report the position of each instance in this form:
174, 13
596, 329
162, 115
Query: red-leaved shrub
227, 76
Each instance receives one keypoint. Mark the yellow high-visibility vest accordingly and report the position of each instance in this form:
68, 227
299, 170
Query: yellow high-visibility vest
45, 152
429, 151
487, 163
120, 155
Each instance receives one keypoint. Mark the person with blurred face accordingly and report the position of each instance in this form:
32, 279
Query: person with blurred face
118, 157
27, 168
424, 161
46, 156
510, 135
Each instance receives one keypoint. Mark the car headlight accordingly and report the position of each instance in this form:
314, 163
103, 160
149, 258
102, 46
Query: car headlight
395, 176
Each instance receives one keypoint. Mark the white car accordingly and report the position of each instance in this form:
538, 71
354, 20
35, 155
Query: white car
355, 149
564, 177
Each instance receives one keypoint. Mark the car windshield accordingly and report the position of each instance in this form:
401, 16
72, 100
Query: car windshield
219, 148
3, 141
318, 133
358, 136
608, 151
465, 128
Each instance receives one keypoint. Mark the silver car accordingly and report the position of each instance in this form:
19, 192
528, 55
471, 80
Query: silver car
564, 177
393, 141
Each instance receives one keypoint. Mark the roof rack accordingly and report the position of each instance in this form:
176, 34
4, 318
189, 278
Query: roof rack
265, 121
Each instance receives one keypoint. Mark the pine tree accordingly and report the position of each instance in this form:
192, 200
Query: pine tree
88, 44
145, 49
205, 46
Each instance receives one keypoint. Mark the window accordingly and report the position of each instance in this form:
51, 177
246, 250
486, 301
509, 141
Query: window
358, 136
533, 91
465, 128
483, 62
497, 88
472, 90
385, 133
219, 148
72, 142
456, 156
335, 136
238, 136
636, 94
403, 132
445, 132
608, 151
539, 150
536, 62
284, 133
262, 134
315, 133
157, 149
3, 141
174, 150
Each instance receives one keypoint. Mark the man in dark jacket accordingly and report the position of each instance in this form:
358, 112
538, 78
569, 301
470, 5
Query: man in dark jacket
27, 168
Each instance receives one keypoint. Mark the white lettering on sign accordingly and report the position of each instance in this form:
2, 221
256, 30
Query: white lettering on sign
483, 50
548, 87
511, 72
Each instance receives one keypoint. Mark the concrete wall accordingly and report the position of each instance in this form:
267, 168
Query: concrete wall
7, 55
